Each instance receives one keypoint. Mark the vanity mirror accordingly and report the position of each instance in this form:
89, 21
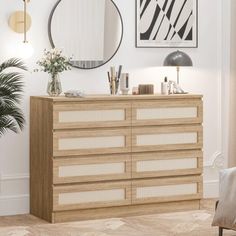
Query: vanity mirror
90, 31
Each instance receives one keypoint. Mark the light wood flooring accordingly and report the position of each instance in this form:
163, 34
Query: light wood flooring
193, 223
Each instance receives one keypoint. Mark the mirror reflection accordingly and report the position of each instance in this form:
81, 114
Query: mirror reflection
88, 30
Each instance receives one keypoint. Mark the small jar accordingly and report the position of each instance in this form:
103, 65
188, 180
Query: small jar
135, 91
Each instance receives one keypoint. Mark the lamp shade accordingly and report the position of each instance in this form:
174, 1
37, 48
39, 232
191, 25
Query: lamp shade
178, 58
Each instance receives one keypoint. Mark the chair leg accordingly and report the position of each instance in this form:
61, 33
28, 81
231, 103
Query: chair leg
220, 231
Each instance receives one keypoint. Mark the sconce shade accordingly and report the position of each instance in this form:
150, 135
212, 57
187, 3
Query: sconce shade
25, 50
16, 22
178, 58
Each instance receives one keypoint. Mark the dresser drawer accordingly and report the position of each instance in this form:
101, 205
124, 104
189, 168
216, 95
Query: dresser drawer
98, 168
159, 164
91, 115
166, 189
167, 138
98, 141
167, 112
91, 196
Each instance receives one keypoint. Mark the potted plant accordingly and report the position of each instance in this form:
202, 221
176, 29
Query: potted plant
54, 63
11, 88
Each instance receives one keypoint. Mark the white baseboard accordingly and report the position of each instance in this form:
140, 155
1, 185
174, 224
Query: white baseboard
14, 194
211, 189
14, 205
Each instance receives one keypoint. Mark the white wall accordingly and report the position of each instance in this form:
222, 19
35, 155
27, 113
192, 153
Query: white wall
144, 66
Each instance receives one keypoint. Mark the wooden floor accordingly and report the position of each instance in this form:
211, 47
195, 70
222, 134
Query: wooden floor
193, 223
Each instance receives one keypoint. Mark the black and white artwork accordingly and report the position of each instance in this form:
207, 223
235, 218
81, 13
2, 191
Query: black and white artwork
166, 23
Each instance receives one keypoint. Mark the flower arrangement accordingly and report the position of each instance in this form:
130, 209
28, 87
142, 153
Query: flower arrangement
53, 62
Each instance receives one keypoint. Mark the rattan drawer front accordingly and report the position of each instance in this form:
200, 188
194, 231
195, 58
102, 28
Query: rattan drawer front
95, 168
167, 138
166, 189
91, 115
91, 142
167, 112
91, 195
174, 163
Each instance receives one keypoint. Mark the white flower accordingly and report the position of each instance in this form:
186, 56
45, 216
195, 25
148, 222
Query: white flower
54, 60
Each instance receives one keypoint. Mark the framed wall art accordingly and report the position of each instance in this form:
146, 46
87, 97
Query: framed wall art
167, 23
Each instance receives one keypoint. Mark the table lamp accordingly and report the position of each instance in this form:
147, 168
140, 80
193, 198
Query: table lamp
178, 59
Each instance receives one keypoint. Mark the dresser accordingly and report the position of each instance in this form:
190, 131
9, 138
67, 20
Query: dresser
112, 156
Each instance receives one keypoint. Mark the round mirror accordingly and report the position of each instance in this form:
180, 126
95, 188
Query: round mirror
90, 31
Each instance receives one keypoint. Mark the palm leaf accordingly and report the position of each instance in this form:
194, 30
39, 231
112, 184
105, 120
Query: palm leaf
13, 62
11, 88
13, 113
6, 124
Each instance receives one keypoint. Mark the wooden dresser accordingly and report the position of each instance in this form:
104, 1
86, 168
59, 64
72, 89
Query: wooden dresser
113, 156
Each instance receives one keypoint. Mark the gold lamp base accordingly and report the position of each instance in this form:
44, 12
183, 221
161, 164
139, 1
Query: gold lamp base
16, 22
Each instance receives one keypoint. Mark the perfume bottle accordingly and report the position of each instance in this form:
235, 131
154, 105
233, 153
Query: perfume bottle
164, 87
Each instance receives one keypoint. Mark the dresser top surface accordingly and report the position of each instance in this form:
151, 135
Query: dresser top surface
103, 97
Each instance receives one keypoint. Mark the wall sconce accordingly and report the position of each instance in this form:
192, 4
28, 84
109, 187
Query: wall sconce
20, 22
